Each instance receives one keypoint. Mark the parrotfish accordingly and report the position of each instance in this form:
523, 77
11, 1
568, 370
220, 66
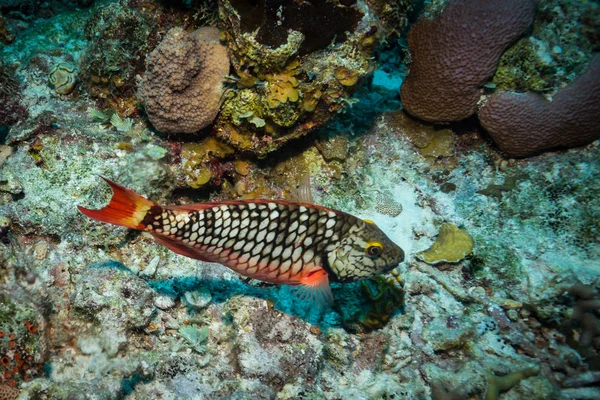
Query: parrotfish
275, 241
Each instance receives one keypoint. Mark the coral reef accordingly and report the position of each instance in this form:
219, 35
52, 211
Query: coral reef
394, 15
295, 66
563, 38
456, 52
183, 84
117, 316
23, 324
523, 124
118, 39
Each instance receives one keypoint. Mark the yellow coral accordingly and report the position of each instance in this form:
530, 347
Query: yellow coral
242, 167
281, 88
451, 245
346, 76
197, 157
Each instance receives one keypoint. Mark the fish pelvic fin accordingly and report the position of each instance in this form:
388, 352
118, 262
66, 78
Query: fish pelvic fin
314, 287
182, 248
126, 208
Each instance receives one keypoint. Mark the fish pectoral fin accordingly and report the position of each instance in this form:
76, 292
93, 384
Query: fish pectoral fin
315, 288
181, 248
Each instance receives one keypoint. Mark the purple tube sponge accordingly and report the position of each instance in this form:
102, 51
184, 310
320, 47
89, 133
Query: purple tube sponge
523, 124
456, 52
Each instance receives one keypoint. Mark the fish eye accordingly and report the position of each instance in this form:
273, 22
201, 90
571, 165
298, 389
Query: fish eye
374, 249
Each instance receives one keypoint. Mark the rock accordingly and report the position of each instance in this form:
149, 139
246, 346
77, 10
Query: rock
113, 297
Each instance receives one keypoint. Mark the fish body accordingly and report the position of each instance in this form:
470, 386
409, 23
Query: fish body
274, 241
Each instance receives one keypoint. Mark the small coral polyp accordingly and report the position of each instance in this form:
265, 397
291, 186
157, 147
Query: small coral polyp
296, 64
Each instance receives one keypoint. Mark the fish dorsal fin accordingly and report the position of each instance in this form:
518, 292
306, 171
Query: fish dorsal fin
303, 193
182, 248
315, 288
203, 206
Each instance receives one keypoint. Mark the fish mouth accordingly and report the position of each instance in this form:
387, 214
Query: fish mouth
389, 268
397, 262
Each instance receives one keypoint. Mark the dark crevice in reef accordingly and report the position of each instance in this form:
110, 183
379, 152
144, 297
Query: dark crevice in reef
321, 22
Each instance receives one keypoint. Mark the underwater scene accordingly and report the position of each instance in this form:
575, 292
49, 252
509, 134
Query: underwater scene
291, 199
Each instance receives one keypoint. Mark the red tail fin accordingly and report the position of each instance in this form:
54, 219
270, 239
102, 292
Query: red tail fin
126, 208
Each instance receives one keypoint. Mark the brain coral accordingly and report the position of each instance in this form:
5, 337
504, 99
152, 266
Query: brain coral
182, 87
523, 124
456, 52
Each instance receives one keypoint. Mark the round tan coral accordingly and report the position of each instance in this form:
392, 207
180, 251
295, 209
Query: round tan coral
182, 87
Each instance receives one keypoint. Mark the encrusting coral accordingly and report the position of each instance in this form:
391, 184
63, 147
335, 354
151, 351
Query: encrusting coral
451, 245
522, 124
456, 52
182, 87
